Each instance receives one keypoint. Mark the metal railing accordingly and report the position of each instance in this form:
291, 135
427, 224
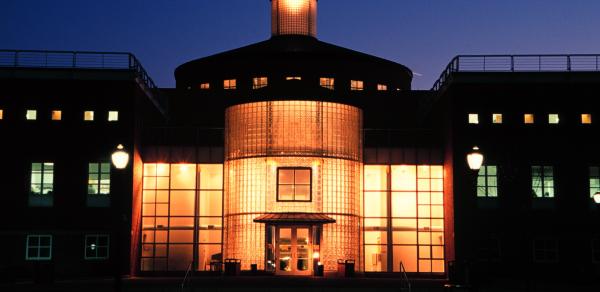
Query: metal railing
82, 60
405, 278
519, 63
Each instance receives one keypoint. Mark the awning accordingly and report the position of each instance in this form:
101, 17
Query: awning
296, 218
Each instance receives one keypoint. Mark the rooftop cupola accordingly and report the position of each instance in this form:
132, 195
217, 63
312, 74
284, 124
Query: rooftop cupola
294, 17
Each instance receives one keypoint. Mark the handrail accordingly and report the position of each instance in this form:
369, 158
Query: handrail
188, 272
519, 63
405, 276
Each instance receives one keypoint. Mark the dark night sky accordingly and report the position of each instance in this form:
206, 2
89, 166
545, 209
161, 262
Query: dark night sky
424, 35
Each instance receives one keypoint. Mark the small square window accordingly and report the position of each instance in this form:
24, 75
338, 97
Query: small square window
382, 87
96, 247
528, 119
259, 82
497, 118
293, 78
38, 247
357, 85
230, 84
1, 114
113, 116
56, 115
294, 184
205, 86
88, 115
553, 119
473, 119
328, 83
586, 119
31, 115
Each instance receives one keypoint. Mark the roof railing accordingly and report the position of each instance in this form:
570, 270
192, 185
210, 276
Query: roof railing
83, 60
519, 63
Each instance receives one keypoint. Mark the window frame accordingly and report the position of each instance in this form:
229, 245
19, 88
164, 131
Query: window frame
551, 120
486, 177
41, 184
528, 119
545, 250
205, 85
33, 116
473, 118
112, 116
586, 119
56, 115
99, 174
310, 197
357, 85
98, 247
543, 178
327, 82
257, 82
230, 84
497, 118
38, 247
91, 116
382, 87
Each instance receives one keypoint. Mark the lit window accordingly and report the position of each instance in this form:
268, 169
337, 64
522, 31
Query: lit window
328, 83
293, 78
88, 115
42, 178
56, 115
473, 119
113, 116
553, 119
596, 250
98, 178
497, 118
594, 180
545, 250
528, 119
230, 84
1, 114
356, 85
96, 247
487, 182
586, 119
204, 86
259, 82
294, 184
382, 87
542, 181
39, 247
31, 115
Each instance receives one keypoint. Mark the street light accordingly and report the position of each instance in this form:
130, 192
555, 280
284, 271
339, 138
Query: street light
120, 158
596, 197
475, 159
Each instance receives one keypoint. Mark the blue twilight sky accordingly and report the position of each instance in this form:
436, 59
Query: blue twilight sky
423, 35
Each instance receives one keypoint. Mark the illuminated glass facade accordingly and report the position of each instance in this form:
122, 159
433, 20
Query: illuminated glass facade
294, 17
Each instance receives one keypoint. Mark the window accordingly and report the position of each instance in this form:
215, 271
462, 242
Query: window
294, 184
96, 247
497, 118
528, 119
586, 119
229, 84
56, 115
260, 82
293, 78
88, 115
542, 181
31, 115
473, 119
596, 250
382, 87
98, 178
42, 178
113, 116
328, 83
553, 119
356, 85
1, 114
487, 182
545, 250
39, 247
204, 86
594, 180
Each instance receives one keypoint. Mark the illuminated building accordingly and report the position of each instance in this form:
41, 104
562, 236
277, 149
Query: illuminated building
293, 152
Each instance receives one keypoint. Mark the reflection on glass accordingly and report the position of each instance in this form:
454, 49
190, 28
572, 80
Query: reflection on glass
302, 248
285, 249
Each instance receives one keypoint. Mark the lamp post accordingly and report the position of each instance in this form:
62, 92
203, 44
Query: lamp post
120, 160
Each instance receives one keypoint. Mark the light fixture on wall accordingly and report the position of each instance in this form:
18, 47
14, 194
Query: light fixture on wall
475, 159
120, 158
596, 198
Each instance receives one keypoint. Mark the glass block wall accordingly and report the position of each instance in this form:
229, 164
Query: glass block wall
263, 136
294, 17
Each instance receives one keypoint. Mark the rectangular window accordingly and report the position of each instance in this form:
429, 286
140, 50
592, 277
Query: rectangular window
586, 119
356, 85
294, 184
487, 182
545, 250
42, 178
113, 116
56, 115
528, 119
473, 119
382, 87
259, 82
88, 115
1, 114
542, 181
31, 115
96, 247
553, 119
596, 250
230, 84
293, 78
38, 248
99, 178
328, 83
497, 118
594, 180
204, 86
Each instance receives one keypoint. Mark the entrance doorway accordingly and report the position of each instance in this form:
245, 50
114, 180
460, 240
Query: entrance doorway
293, 250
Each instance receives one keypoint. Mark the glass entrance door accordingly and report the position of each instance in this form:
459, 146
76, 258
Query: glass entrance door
293, 251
